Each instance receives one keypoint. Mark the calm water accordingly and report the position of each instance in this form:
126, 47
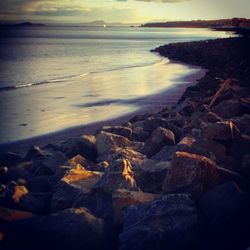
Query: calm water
52, 78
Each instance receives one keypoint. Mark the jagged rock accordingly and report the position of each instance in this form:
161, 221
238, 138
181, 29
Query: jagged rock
123, 199
159, 138
119, 130
226, 216
185, 145
150, 174
139, 134
10, 159
118, 175
123, 153
84, 146
245, 166
99, 167
228, 108
242, 123
221, 131
76, 181
216, 148
190, 173
69, 229
45, 162
78, 159
167, 223
226, 175
107, 143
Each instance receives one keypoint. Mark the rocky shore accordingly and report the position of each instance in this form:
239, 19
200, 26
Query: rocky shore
176, 179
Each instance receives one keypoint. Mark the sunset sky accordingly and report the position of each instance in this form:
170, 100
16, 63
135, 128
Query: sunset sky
126, 11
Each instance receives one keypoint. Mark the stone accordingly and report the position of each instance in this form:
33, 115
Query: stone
10, 159
122, 199
69, 229
227, 109
167, 223
107, 143
119, 130
139, 134
78, 159
187, 107
84, 146
190, 173
159, 138
119, 175
242, 123
150, 174
221, 131
100, 167
75, 182
10, 215
40, 184
245, 166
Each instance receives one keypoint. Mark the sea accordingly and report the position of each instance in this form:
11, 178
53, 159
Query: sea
55, 78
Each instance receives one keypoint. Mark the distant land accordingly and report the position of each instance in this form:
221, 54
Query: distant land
221, 23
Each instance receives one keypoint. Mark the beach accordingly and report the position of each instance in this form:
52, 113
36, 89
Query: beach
176, 178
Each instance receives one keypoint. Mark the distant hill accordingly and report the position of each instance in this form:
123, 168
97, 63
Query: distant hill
221, 23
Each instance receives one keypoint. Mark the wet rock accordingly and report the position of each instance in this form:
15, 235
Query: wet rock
159, 138
190, 173
107, 143
228, 108
76, 181
221, 131
69, 229
167, 223
150, 174
118, 176
84, 146
10, 159
123, 199
119, 130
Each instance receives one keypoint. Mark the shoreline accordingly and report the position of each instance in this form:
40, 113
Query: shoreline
23, 145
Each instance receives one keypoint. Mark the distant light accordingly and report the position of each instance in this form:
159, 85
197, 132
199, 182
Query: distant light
104, 25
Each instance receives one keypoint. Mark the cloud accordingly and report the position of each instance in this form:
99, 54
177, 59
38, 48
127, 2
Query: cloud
157, 1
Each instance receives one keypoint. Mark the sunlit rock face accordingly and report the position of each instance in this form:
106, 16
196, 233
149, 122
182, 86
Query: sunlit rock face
167, 223
190, 173
76, 181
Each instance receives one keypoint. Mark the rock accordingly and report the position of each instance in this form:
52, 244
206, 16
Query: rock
216, 148
107, 143
9, 215
119, 130
190, 173
139, 134
226, 216
21, 170
227, 109
78, 159
221, 131
167, 223
123, 199
159, 138
39, 184
45, 162
240, 147
84, 146
229, 162
242, 123
226, 175
76, 181
10, 159
69, 229
245, 166
99, 167
118, 176
187, 107
150, 174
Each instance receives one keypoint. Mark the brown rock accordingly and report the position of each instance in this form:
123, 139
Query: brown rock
190, 173
13, 215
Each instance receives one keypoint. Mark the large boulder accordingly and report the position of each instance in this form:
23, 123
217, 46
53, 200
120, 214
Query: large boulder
167, 223
75, 182
74, 229
84, 146
119, 175
225, 212
221, 131
123, 199
159, 138
190, 173
150, 174
107, 143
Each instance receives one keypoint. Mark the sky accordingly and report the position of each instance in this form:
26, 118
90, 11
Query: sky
125, 11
